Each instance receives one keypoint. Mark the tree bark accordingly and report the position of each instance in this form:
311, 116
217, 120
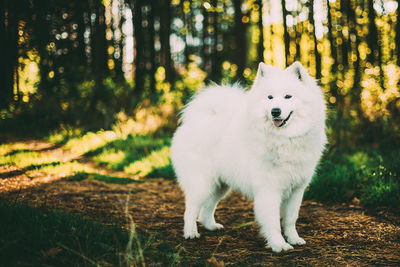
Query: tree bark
344, 6
260, 47
215, 59
240, 34
4, 88
330, 38
119, 44
139, 58
285, 33
205, 48
375, 57
397, 38
184, 35
372, 38
152, 50
9, 50
165, 32
316, 53
99, 54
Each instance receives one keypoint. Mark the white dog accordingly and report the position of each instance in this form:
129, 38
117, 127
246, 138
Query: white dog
265, 143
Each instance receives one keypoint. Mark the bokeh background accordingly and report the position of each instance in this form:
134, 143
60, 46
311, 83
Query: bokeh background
90, 92
118, 71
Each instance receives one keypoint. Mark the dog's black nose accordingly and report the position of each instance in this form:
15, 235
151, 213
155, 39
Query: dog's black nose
276, 112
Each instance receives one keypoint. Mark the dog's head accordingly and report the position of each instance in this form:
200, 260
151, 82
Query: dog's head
288, 101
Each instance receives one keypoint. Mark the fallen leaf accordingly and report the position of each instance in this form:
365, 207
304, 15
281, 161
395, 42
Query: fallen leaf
214, 263
51, 252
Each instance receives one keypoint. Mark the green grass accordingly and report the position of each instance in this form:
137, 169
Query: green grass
38, 237
368, 175
120, 150
24, 158
33, 161
142, 155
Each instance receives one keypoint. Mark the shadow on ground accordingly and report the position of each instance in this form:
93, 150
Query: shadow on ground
336, 235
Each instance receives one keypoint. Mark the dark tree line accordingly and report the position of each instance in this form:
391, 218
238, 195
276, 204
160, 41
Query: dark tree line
81, 49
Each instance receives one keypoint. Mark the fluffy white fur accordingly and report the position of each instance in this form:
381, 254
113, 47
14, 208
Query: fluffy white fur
228, 139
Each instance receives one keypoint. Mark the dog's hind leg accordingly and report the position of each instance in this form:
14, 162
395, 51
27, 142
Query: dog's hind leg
196, 194
206, 216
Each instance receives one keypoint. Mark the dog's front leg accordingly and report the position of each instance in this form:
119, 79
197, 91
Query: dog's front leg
290, 210
266, 209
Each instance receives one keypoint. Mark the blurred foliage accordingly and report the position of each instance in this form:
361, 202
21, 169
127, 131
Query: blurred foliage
371, 177
368, 174
108, 78
84, 66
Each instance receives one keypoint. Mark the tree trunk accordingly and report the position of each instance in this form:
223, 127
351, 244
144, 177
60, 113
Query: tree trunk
316, 53
165, 32
152, 50
240, 34
372, 38
184, 35
375, 57
99, 55
215, 59
81, 14
398, 32
4, 88
9, 51
205, 49
344, 6
119, 45
260, 47
139, 69
299, 29
330, 38
286, 33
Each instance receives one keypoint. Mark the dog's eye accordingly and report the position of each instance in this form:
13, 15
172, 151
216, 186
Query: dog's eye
270, 97
288, 96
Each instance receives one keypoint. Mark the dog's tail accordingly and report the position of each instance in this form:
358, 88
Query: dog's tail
214, 102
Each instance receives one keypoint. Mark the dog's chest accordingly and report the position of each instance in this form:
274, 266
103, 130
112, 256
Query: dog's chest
292, 153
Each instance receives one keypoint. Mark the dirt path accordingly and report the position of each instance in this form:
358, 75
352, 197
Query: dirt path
338, 235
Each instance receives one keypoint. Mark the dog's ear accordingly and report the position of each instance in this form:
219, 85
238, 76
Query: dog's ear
301, 73
262, 71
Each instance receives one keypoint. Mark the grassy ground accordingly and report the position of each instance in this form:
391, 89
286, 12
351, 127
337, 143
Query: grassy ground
371, 176
336, 235
37, 236
31, 170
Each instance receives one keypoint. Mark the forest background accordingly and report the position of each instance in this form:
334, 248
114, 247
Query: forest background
79, 66
90, 93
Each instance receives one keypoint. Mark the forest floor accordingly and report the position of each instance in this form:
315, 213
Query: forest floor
336, 235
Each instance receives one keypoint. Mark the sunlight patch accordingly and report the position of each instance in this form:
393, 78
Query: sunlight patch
156, 159
64, 169
90, 141
24, 159
110, 158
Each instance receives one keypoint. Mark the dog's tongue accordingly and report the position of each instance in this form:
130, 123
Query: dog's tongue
278, 123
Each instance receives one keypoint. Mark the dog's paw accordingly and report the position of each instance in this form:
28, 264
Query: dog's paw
214, 226
278, 247
191, 235
296, 240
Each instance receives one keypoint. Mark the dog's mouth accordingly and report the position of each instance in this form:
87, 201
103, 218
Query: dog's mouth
280, 123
